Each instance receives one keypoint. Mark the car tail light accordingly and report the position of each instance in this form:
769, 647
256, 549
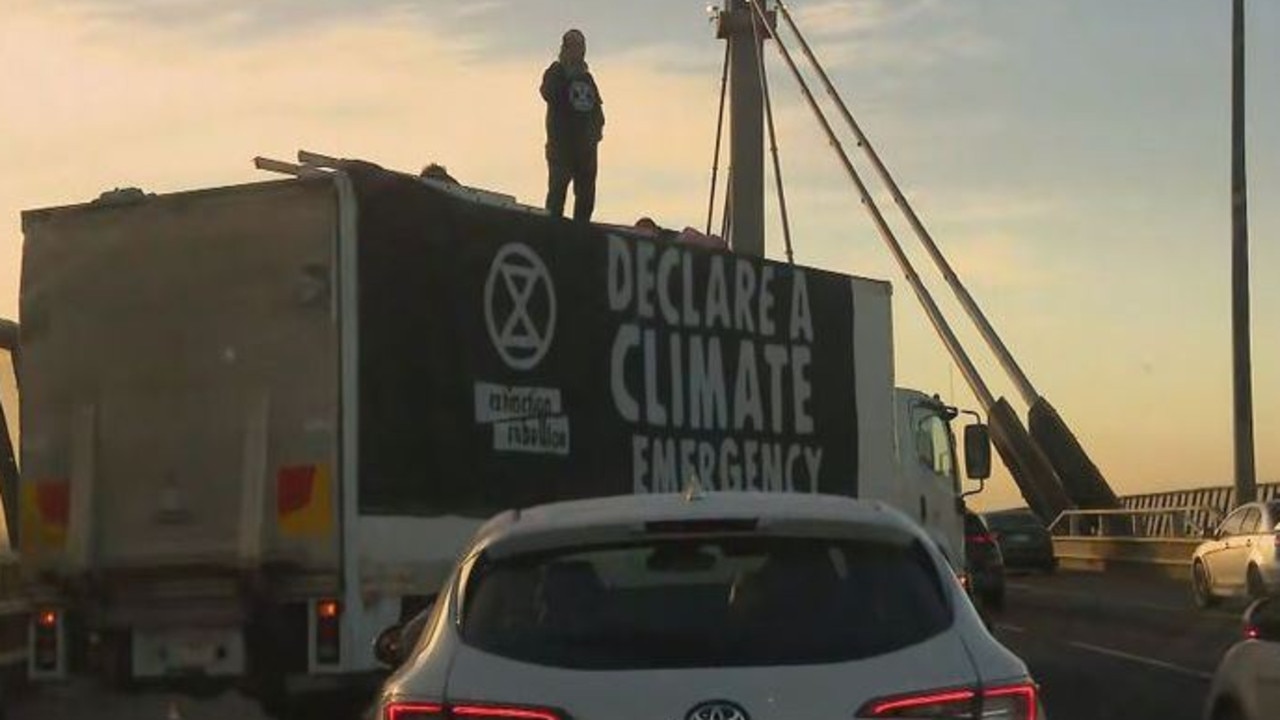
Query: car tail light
472, 711
1012, 702
412, 711
493, 712
980, 539
328, 632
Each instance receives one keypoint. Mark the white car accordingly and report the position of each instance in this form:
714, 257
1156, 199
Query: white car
1240, 557
733, 606
1247, 683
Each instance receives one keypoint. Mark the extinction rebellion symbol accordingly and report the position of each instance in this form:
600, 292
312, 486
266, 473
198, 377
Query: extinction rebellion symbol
520, 306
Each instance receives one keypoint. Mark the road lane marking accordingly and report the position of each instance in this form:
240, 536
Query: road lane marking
1199, 675
1139, 604
1010, 628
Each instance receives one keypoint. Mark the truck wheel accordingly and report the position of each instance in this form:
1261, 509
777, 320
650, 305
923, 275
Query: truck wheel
268, 688
115, 657
1226, 710
277, 706
308, 707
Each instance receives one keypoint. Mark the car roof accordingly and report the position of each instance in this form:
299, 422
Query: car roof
1018, 514
629, 511
1259, 504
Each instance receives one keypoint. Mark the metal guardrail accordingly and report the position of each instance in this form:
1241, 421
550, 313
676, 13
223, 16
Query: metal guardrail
1154, 530
1187, 521
1162, 539
1222, 498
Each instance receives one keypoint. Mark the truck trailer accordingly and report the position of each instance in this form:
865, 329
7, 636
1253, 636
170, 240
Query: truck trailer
259, 421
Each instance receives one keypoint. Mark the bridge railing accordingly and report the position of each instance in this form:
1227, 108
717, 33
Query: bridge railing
1162, 539
1154, 530
1186, 521
1220, 497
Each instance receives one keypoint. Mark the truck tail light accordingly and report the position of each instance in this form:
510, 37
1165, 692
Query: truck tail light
328, 635
1012, 702
471, 711
45, 640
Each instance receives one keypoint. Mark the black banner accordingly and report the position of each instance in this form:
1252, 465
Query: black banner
509, 359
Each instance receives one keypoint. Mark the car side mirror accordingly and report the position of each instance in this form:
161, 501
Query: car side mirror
1262, 620
977, 451
393, 645
387, 647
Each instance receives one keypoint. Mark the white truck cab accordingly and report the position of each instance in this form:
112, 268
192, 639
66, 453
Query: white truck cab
929, 467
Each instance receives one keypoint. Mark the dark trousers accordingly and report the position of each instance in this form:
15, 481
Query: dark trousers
578, 167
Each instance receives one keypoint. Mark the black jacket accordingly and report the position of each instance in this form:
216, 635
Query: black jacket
575, 118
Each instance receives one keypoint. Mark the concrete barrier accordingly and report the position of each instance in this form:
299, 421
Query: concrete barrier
1169, 557
1157, 541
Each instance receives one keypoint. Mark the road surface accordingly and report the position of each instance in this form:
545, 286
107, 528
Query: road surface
1109, 648
1102, 647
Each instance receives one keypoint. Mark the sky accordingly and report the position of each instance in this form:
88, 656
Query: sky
1070, 158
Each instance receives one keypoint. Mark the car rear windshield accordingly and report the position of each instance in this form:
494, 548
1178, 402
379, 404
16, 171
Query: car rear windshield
1014, 522
973, 525
706, 602
1273, 508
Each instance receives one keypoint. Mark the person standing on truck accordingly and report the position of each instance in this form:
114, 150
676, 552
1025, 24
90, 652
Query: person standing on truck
575, 126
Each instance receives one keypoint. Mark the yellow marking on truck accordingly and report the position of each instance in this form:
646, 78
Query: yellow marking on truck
304, 505
44, 523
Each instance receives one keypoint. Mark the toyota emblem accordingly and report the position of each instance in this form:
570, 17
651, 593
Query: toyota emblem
717, 710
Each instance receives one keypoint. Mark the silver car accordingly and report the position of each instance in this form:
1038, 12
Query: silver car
1247, 683
738, 606
1240, 557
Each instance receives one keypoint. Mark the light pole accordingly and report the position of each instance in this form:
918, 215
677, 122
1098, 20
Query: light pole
746, 124
1245, 472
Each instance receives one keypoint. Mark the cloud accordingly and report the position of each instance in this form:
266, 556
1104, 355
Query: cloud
480, 8
502, 28
835, 18
987, 207
995, 261
237, 20
97, 103
922, 53
908, 34
844, 17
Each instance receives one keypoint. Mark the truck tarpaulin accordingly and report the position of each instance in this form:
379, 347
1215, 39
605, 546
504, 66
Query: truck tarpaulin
511, 358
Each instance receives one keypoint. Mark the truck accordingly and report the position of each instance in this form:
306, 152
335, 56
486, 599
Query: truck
259, 421
14, 612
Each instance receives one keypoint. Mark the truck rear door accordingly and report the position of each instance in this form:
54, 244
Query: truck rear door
180, 381
13, 611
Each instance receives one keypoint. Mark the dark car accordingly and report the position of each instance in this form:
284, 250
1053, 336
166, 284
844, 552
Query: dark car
983, 562
1024, 541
